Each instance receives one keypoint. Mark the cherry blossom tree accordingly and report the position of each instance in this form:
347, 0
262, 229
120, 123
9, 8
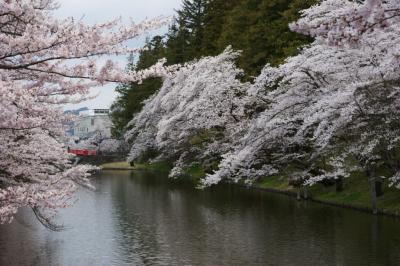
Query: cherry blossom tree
373, 28
344, 22
46, 62
100, 142
195, 114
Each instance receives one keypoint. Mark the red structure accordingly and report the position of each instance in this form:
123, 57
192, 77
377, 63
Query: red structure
83, 152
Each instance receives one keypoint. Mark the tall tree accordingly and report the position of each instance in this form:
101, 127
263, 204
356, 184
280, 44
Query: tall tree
215, 16
191, 16
260, 29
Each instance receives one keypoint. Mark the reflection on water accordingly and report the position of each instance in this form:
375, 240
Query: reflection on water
143, 218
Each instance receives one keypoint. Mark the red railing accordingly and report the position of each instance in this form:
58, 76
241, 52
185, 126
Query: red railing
83, 152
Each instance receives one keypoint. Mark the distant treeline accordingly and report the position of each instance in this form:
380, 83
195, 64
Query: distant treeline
258, 28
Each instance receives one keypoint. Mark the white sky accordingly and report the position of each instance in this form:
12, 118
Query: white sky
93, 11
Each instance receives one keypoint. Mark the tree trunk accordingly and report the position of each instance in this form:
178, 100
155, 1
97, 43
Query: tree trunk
378, 187
299, 193
305, 191
339, 184
372, 183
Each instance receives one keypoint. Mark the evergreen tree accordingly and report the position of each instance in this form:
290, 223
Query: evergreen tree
177, 44
214, 18
191, 18
192, 13
260, 29
130, 97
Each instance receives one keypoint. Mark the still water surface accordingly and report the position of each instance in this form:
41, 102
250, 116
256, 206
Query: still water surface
143, 218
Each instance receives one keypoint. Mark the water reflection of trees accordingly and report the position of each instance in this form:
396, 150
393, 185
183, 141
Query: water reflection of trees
172, 223
25, 242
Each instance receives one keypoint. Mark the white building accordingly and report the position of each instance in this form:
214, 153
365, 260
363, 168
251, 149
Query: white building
91, 122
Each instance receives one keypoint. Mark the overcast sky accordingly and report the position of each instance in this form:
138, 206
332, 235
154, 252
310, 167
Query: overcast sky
93, 11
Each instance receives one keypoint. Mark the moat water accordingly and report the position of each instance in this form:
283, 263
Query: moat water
144, 218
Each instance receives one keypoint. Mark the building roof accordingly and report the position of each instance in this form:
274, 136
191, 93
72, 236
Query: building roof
94, 112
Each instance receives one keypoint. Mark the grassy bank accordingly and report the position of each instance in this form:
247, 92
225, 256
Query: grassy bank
165, 167
356, 193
